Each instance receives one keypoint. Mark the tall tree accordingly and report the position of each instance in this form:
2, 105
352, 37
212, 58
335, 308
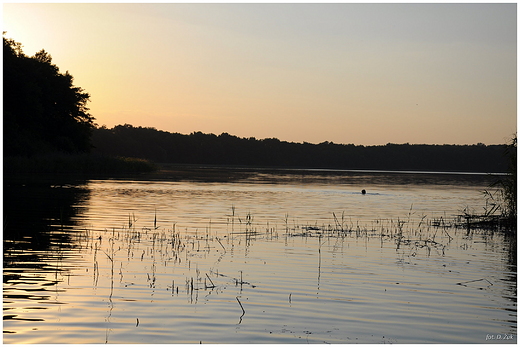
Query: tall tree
43, 110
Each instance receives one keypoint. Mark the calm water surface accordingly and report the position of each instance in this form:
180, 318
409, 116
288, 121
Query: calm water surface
254, 257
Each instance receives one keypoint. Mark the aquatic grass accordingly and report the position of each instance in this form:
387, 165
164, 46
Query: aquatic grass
243, 311
415, 235
500, 209
338, 225
212, 284
472, 281
171, 248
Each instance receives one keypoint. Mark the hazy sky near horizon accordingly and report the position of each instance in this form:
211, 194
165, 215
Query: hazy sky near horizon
349, 73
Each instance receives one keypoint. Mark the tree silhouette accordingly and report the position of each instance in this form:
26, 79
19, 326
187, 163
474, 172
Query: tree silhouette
225, 149
43, 110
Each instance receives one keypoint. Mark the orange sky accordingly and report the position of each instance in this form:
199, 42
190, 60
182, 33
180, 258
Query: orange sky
348, 73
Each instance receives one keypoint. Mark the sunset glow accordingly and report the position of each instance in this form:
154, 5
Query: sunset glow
349, 73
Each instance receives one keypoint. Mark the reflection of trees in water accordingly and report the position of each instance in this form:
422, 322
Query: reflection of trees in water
511, 275
502, 241
308, 176
33, 211
38, 216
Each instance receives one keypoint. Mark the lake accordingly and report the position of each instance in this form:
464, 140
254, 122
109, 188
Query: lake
208, 255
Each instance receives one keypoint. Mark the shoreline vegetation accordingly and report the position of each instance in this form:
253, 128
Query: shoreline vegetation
57, 163
198, 148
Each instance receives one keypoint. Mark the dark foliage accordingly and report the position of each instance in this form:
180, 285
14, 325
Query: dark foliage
43, 111
86, 164
505, 198
225, 149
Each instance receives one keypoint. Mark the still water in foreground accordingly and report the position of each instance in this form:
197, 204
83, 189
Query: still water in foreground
260, 257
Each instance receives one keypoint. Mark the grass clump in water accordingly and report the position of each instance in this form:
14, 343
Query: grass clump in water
500, 211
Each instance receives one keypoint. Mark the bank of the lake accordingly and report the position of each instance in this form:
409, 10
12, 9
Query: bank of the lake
74, 164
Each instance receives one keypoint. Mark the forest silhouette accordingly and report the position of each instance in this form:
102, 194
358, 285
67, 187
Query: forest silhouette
225, 149
43, 110
45, 115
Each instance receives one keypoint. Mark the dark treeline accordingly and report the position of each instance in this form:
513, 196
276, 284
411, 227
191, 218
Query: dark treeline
225, 149
46, 124
43, 110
